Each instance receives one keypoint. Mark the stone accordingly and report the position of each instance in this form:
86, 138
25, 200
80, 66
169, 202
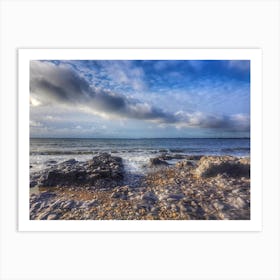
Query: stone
53, 216
121, 193
158, 162
175, 197
150, 197
211, 166
95, 172
33, 184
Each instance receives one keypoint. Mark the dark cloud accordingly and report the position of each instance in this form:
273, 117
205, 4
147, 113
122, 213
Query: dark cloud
60, 83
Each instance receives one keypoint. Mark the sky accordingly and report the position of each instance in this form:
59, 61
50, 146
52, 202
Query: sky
140, 98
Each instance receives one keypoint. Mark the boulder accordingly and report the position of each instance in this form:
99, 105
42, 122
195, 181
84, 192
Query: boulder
157, 162
103, 167
210, 166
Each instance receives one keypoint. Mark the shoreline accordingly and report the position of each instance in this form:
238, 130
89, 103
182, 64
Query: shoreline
195, 188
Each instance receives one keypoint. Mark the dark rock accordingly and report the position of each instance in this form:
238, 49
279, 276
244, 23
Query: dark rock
176, 150
157, 162
193, 157
51, 161
150, 197
32, 184
69, 204
175, 197
69, 162
121, 192
46, 195
103, 167
93, 203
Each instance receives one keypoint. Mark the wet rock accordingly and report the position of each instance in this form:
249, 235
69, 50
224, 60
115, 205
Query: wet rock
193, 157
171, 156
50, 162
69, 162
184, 164
157, 162
75, 173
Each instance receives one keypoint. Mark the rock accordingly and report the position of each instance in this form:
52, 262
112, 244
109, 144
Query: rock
56, 204
121, 193
69, 162
50, 162
171, 156
211, 166
157, 162
175, 197
150, 197
69, 204
193, 157
95, 172
43, 216
33, 184
184, 164
54, 216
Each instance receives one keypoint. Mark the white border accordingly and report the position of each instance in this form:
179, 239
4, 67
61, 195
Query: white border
254, 55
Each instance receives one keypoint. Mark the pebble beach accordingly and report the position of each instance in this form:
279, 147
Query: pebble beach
194, 188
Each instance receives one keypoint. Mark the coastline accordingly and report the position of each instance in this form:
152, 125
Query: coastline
195, 188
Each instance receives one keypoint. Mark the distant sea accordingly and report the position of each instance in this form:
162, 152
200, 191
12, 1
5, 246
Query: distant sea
135, 152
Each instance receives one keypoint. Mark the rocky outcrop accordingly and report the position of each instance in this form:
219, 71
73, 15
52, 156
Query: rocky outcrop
210, 166
103, 167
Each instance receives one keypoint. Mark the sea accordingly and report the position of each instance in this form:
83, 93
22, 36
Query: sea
135, 153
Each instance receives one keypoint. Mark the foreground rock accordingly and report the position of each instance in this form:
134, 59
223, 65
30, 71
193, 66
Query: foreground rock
154, 162
233, 167
206, 190
103, 170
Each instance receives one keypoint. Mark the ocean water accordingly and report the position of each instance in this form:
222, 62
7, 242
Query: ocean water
135, 152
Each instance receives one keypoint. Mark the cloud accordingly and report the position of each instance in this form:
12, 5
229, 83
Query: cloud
238, 122
56, 83
35, 124
123, 72
242, 65
50, 83
61, 84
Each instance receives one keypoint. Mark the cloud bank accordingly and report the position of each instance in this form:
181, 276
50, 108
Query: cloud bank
61, 84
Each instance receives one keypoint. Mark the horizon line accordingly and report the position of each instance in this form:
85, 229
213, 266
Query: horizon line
139, 138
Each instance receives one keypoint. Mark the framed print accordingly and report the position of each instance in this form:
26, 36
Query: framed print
140, 139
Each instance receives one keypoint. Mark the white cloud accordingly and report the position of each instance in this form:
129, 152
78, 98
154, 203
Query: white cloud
61, 85
243, 65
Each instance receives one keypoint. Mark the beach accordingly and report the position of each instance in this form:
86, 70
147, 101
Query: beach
148, 179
